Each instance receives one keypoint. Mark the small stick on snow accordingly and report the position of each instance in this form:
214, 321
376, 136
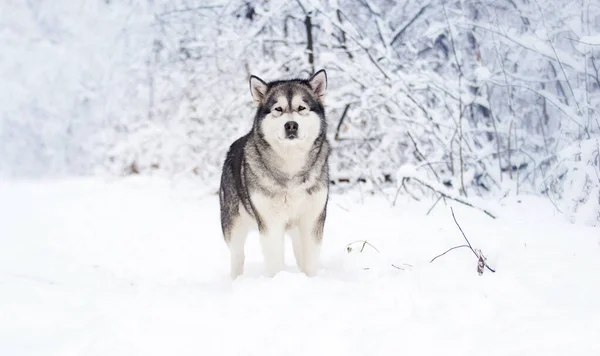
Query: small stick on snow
364, 243
404, 264
480, 257
448, 250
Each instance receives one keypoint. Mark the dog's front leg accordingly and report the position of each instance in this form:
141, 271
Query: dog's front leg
311, 232
271, 240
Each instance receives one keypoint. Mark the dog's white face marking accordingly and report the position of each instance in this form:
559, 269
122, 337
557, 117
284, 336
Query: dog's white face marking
308, 125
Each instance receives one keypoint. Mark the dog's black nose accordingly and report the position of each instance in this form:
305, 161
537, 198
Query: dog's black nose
291, 129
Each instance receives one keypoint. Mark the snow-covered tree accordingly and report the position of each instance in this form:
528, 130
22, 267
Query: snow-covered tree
481, 98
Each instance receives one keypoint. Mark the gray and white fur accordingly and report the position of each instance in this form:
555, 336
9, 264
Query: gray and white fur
276, 177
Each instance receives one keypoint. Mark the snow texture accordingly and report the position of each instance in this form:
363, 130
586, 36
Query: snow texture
138, 267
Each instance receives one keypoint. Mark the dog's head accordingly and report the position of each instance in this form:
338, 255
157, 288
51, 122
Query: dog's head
290, 112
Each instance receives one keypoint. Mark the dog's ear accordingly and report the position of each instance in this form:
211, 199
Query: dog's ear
318, 83
258, 89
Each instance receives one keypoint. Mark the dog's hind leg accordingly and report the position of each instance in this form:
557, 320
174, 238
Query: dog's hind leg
236, 243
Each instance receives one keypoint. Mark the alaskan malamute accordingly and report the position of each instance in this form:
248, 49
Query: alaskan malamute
276, 177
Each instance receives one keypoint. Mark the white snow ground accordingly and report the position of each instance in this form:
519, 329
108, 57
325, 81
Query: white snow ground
136, 267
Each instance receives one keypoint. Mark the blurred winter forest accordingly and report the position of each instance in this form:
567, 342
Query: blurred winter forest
477, 99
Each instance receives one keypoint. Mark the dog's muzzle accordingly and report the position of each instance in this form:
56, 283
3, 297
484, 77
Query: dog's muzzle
291, 130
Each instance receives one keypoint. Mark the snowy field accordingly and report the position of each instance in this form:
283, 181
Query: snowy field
139, 267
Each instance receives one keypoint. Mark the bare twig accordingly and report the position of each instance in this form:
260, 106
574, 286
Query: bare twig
518, 164
358, 42
422, 155
339, 126
478, 254
597, 77
562, 68
364, 243
559, 86
192, 9
396, 195
374, 182
401, 31
460, 104
456, 199
556, 104
301, 6
493, 118
400, 268
309, 41
408, 191
522, 44
509, 150
343, 36
370, 7
434, 204
448, 250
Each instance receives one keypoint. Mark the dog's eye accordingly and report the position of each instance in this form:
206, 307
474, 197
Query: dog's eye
279, 109
300, 108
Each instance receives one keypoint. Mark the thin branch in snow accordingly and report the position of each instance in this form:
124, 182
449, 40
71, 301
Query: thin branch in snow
358, 42
365, 243
404, 180
403, 29
460, 104
403, 185
374, 182
368, 5
480, 257
341, 122
456, 199
563, 108
597, 77
400, 268
509, 150
448, 250
493, 118
422, 156
562, 68
434, 204
522, 43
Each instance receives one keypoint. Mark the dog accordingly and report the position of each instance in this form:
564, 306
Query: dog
276, 177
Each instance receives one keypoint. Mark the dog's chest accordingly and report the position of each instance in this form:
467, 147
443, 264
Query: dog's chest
286, 201
288, 205
293, 163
